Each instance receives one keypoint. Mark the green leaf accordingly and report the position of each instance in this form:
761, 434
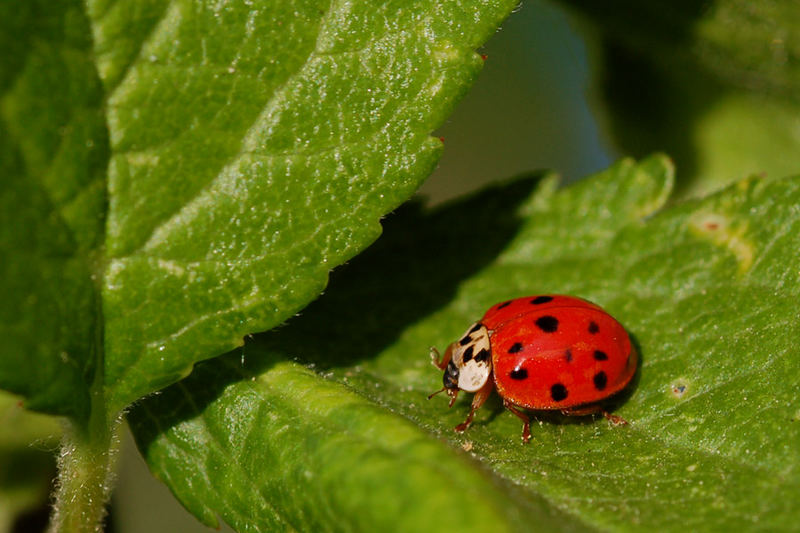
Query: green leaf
686, 77
178, 174
313, 456
308, 425
53, 146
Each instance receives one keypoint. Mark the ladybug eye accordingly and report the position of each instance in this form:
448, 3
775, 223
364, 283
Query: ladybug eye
450, 377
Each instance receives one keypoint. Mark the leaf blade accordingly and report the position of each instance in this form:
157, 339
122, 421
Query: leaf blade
295, 480
54, 148
691, 298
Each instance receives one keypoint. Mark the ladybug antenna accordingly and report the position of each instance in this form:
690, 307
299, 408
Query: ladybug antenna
437, 392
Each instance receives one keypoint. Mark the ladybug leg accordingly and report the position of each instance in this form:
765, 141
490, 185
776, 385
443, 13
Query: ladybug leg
440, 361
453, 393
526, 428
615, 419
477, 401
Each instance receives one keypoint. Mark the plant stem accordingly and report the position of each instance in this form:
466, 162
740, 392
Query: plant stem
87, 459
86, 465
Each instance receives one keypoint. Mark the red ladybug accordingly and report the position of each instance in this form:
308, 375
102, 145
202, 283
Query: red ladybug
542, 353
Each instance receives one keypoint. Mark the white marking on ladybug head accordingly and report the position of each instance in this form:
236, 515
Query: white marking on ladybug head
472, 356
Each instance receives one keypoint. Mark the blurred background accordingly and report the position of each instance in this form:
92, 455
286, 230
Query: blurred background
529, 109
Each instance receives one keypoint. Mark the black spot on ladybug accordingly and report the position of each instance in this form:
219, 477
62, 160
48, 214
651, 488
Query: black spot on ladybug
600, 356
600, 380
467, 354
558, 392
475, 328
568, 355
518, 373
504, 304
466, 339
482, 356
593, 327
541, 300
547, 323
515, 348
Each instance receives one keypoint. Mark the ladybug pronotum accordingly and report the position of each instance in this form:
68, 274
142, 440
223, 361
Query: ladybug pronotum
540, 353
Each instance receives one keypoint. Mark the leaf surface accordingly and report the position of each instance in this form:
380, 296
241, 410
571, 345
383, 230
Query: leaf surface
708, 290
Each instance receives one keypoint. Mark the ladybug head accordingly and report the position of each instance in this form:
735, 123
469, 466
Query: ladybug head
469, 362
450, 377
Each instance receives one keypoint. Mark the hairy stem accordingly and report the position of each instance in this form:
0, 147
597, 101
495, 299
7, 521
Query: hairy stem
86, 465
86, 472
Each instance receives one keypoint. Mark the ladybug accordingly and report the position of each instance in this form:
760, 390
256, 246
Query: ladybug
541, 353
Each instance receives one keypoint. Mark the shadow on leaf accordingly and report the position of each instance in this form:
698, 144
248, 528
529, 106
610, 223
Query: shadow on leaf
413, 269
